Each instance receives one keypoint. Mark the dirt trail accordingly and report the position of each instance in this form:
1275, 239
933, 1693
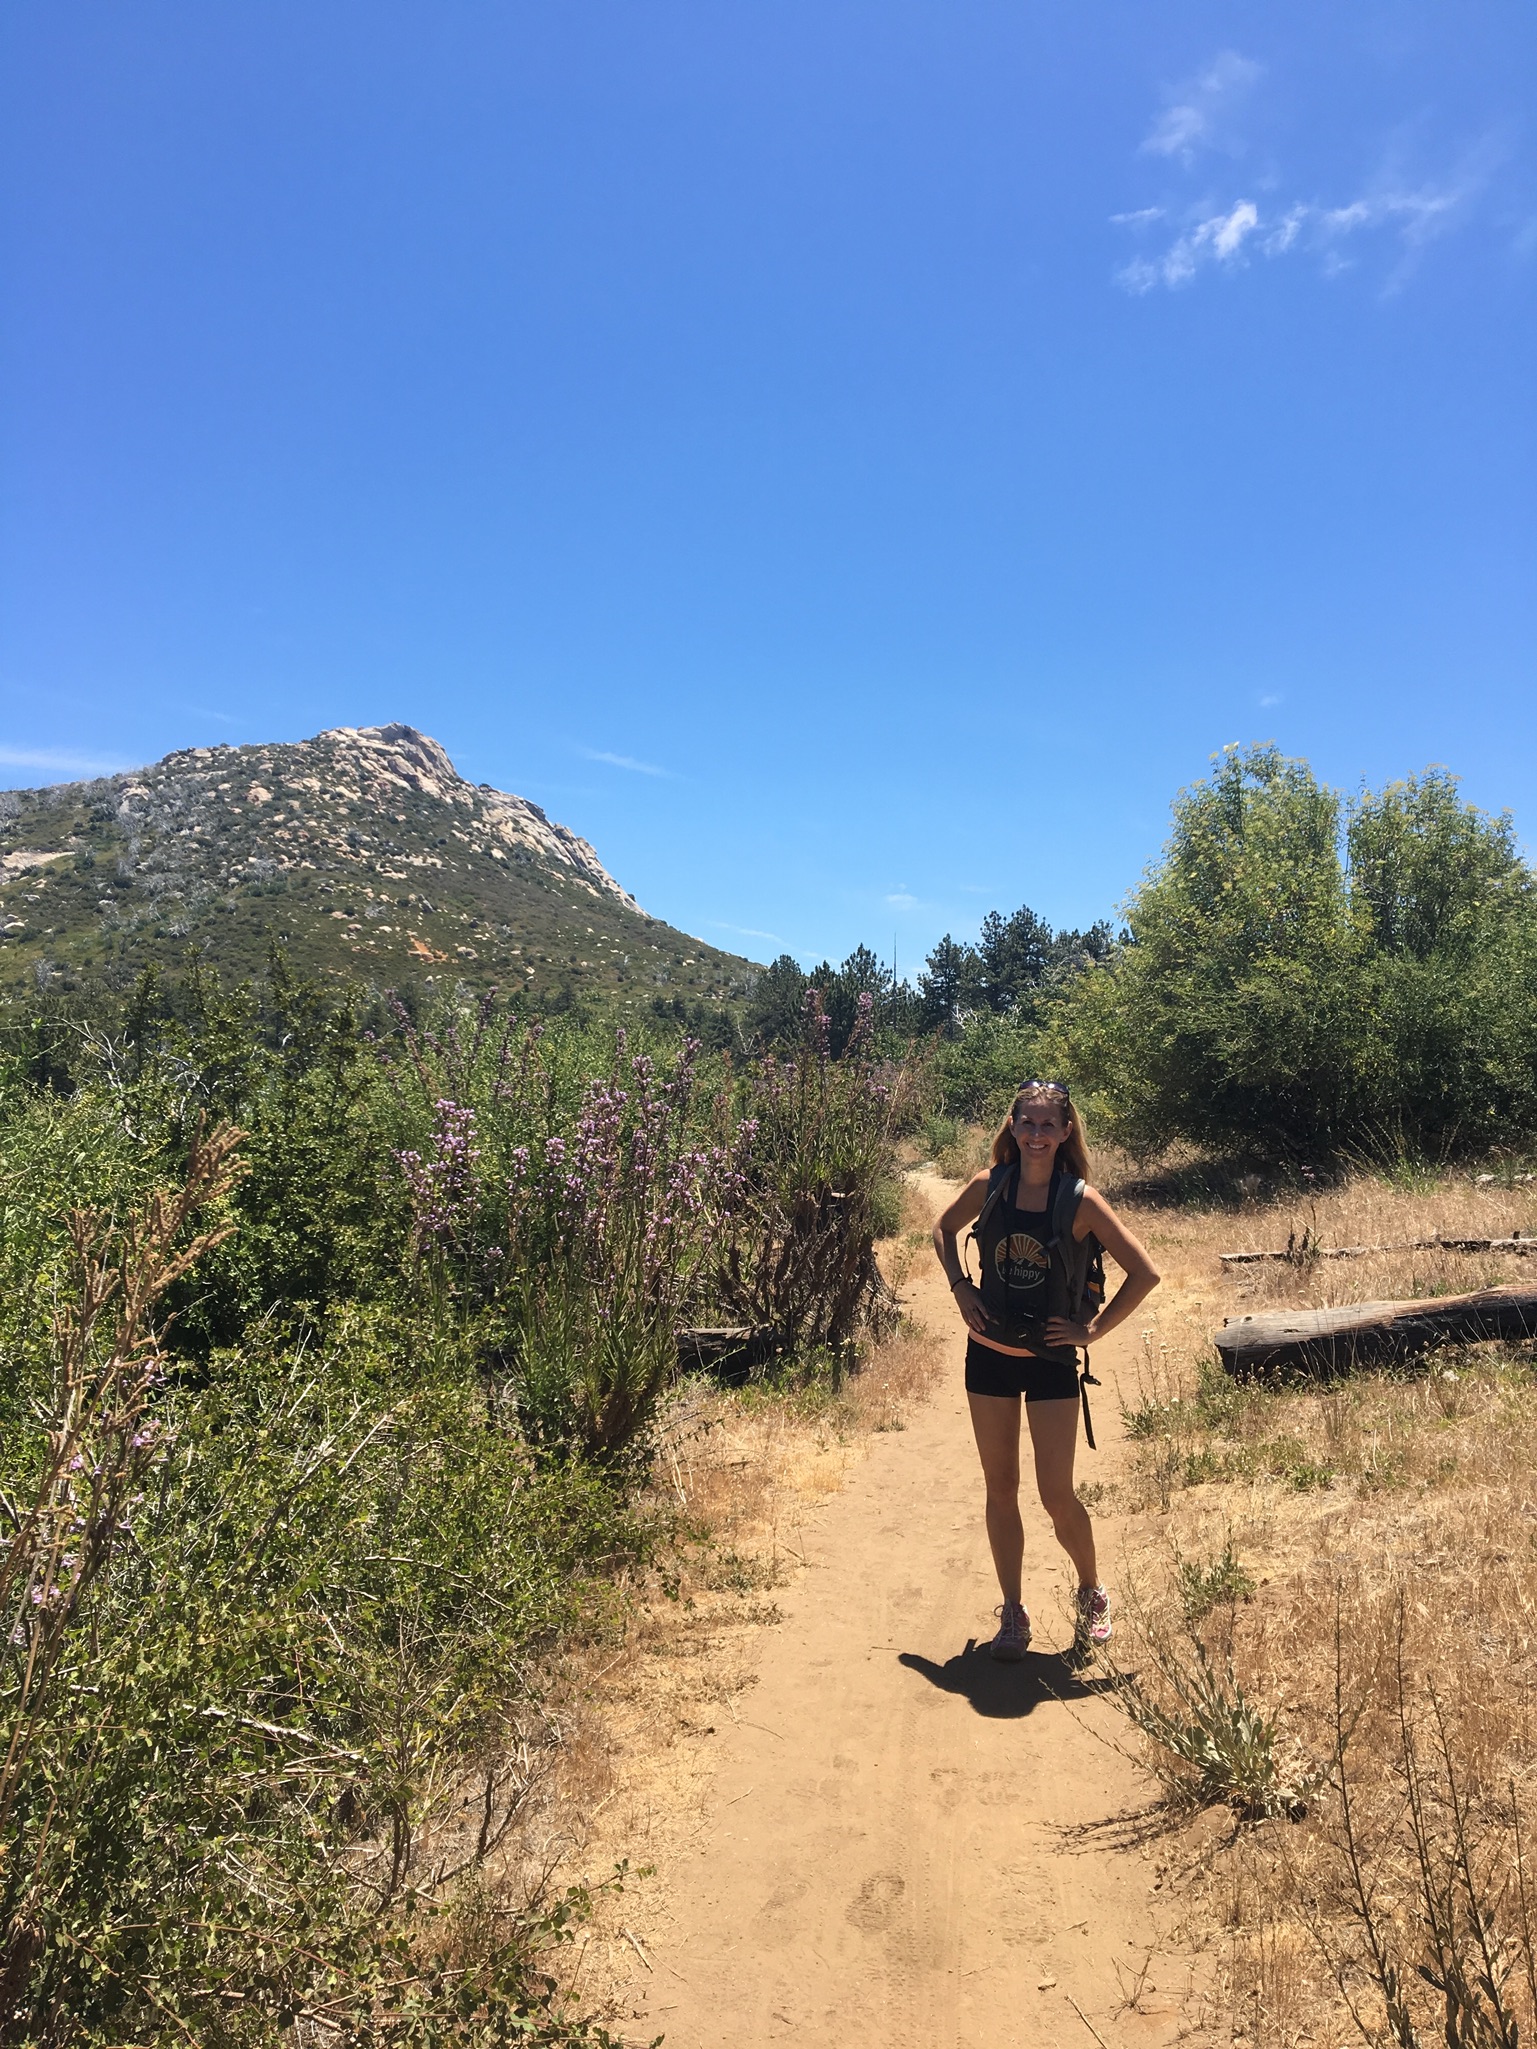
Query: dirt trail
907, 1843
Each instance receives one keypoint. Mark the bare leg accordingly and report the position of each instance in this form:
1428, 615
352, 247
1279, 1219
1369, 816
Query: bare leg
995, 1421
1054, 1434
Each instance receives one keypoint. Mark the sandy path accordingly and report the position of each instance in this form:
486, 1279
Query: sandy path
907, 1843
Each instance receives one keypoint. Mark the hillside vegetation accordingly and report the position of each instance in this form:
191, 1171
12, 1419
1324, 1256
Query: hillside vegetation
361, 852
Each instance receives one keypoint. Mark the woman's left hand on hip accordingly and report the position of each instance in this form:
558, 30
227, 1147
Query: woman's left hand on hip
1060, 1332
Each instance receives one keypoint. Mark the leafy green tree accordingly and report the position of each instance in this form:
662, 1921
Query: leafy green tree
1275, 998
1443, 904
1233, 1016
1014, 955
1074, 951
777, 1012
1427, 871
862, 974
1016, 962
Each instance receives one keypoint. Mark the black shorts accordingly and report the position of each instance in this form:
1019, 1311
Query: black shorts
1001, 1373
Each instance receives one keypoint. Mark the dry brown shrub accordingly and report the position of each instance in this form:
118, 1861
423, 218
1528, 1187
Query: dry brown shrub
1389, 1525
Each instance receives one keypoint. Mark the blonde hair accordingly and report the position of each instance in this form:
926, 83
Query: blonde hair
1072, 1153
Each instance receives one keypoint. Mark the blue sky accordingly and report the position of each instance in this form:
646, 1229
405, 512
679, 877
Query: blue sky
851, 461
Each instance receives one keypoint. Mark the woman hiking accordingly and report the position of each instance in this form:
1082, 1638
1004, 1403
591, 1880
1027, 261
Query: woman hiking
1039, 1228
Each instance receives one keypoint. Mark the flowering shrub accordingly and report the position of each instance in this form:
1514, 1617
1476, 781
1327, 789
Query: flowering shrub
610, 1235
444, 1186
797, 1261
569, 1228
641, 1200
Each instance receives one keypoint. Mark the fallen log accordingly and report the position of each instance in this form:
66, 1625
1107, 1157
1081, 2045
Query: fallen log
1330, 1341
727, 1352
1300, 1251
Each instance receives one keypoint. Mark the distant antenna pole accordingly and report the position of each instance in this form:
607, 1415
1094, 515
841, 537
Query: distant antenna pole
893, 964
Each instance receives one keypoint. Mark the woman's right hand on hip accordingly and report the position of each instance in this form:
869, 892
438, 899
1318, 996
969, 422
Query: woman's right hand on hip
968, 1299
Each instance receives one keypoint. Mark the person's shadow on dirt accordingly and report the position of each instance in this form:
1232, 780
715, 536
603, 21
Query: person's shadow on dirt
1003, 1691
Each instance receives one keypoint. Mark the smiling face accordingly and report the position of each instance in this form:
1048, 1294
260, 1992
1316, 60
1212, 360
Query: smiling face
1039, 1124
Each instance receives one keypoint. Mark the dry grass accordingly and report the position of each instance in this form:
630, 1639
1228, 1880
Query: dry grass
1373, 1550
1368, 1210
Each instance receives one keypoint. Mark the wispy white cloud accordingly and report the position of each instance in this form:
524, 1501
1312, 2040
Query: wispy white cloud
744, 931
1408, 218
1272, 697
61, 764
624, 761
1201, 114
1401, 210
1415, 215
1219, 238
1279, 239
901, 901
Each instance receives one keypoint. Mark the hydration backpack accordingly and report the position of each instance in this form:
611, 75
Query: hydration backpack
1083, 1259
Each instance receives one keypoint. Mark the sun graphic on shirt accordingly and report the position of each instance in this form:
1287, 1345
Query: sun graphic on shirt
1022, 1261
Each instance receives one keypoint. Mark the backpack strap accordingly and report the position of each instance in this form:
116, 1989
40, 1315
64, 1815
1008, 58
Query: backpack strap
998, 1180
1066, 1194
1084, 1262
1086, 1380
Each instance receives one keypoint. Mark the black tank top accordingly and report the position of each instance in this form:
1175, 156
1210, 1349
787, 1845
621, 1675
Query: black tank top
1024, 1280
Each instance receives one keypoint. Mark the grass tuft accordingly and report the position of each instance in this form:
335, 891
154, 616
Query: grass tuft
1223, 1583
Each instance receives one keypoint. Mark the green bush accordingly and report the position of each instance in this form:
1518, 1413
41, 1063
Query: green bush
1224, 1582
274, 1635
1301, 978
980, 1070
816, 1186
1209, 1742
57, 1153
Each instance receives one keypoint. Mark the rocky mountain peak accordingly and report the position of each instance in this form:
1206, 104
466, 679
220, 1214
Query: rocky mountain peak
401, 757
362, 851
415, 757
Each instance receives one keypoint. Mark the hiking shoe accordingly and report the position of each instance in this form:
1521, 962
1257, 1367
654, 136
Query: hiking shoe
1013, 1639
1092, 1630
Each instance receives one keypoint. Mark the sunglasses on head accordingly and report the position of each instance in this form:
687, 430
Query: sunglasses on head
1043, 1088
